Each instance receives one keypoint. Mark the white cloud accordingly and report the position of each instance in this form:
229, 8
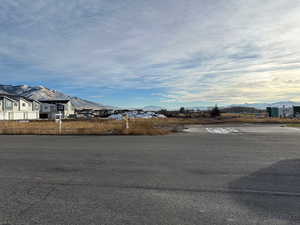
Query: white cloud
197, 50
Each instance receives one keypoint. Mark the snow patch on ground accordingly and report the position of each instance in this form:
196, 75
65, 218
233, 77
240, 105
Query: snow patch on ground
136, 115
221, 130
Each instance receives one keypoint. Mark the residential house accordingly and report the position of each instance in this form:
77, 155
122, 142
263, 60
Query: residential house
51, 108
14, 107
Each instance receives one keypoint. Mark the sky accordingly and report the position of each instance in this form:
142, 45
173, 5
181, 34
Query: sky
165, 53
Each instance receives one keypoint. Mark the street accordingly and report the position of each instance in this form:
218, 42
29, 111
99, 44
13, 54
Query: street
210, 175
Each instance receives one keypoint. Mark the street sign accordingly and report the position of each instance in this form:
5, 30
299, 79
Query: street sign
60, 107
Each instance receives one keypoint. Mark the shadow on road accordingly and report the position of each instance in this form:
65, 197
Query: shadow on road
271, 192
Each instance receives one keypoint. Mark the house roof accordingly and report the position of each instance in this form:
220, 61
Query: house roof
6, 97
62, 101
17, 97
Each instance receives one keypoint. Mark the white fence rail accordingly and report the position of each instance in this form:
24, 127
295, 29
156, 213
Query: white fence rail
19, 115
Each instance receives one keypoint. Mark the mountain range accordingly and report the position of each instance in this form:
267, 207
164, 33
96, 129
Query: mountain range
252, 105
152, 108
43, 93
265, 105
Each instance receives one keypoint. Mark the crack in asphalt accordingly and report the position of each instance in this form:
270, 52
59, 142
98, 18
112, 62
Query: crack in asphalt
192, 190
30, 206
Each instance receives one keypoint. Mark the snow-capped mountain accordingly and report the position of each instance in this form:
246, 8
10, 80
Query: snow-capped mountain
43, 93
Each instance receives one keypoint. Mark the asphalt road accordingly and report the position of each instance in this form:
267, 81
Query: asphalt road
248, 175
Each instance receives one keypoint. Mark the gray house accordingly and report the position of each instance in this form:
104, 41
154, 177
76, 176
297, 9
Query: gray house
50, 108
18, 108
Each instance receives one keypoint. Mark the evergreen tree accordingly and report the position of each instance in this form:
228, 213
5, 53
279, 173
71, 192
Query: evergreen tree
182, 110
215, 112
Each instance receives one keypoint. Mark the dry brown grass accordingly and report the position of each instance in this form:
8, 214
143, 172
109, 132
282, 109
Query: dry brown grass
99, 127
137, 126
253, 118
93, 127
263, 120
297, 125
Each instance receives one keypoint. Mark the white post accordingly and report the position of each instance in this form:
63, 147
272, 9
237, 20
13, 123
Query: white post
59, 121
127, 122
60, 124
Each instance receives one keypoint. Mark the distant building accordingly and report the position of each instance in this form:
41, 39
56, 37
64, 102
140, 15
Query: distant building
103, 112
286, 112
273, 112
92, 113
283, 112
14, 107
50, 108
296, 112
85, 113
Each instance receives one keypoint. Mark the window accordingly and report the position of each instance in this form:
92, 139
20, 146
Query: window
16, 104
8, 104
24, 104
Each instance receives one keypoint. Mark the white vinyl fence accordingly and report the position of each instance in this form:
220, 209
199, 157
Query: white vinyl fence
19, 115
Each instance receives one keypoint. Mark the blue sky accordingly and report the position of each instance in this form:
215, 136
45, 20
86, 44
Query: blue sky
168, 53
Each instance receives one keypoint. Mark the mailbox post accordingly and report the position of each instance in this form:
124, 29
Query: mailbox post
127, 121
60, 108
58, 119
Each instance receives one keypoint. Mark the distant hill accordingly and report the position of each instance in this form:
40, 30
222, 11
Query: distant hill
152, 108
241, 109
265, 105
43, 93
200, 108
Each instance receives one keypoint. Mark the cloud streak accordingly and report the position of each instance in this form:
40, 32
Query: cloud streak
196, 51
